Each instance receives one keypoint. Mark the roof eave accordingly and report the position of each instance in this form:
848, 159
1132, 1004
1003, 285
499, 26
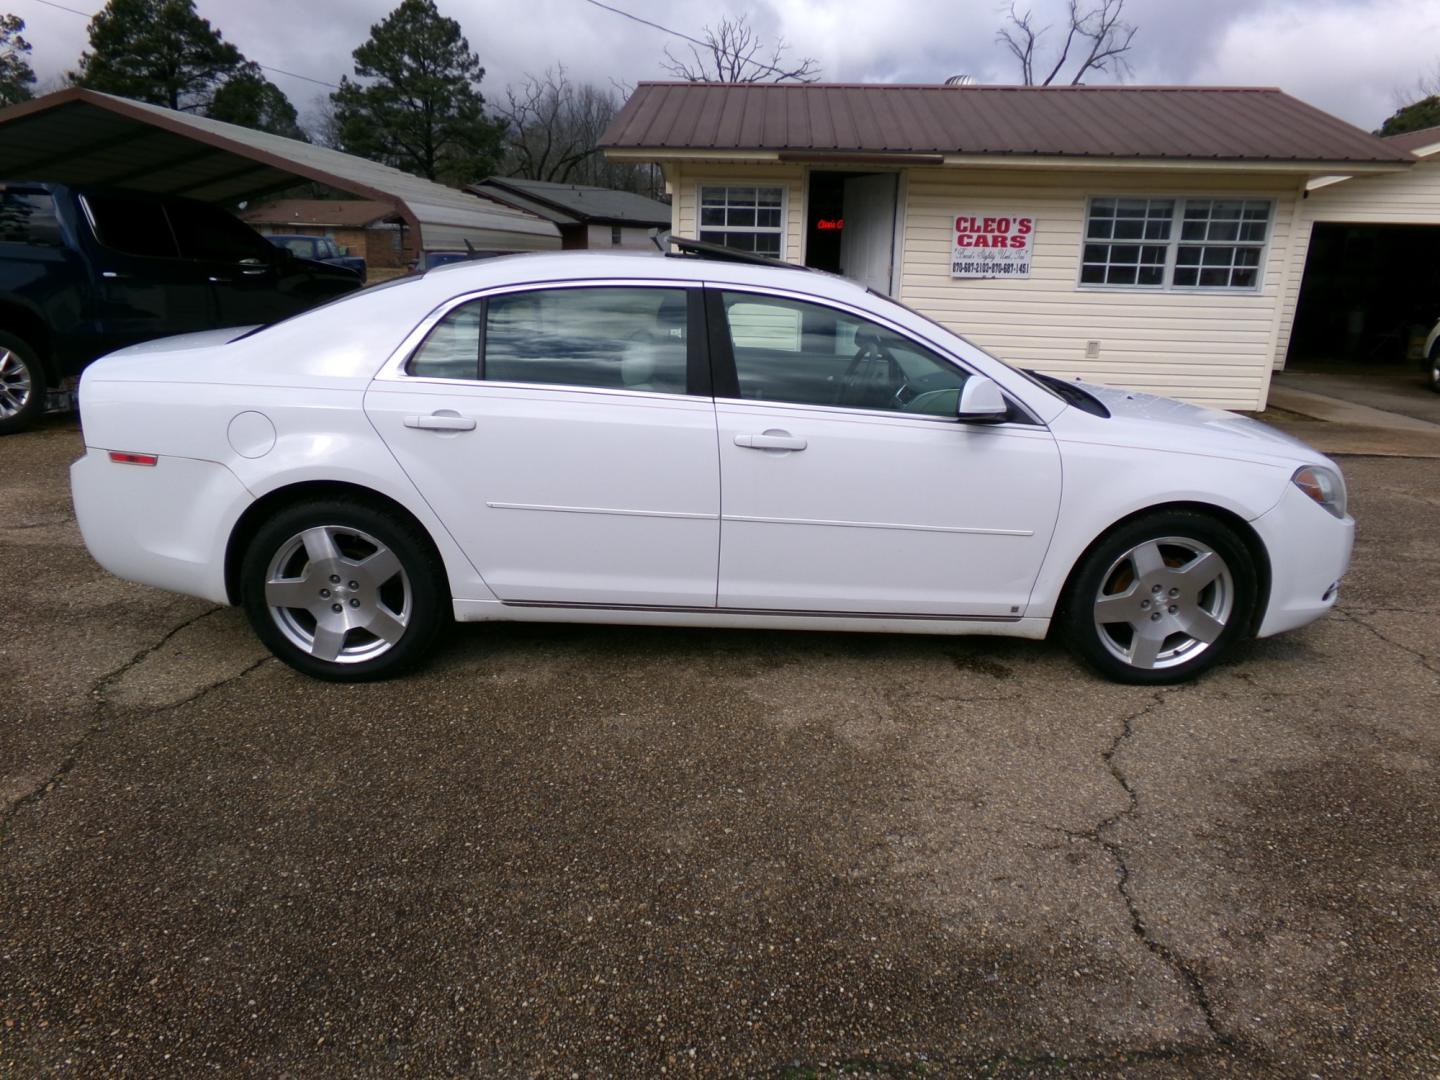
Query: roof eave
1006, 160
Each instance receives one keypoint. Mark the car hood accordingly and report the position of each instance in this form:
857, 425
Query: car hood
1167, 424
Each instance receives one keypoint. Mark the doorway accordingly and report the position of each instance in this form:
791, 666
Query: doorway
851, 226
1369, 295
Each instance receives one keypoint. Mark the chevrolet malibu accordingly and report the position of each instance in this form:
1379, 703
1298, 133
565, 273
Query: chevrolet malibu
685, 441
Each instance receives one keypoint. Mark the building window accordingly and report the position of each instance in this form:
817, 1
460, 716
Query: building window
614, 235
1143, 243
743, 218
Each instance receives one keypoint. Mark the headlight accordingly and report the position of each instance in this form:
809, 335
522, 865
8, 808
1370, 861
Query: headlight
1323, 485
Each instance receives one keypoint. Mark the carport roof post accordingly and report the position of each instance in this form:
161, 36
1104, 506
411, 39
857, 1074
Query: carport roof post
82, 137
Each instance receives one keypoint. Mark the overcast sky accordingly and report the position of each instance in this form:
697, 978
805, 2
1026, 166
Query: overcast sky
1349, 57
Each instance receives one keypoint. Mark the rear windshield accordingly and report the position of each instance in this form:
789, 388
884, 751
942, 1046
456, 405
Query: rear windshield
369, 290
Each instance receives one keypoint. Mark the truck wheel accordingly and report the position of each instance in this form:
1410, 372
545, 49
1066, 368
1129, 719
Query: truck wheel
22, 385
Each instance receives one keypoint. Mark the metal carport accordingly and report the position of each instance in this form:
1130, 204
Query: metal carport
79, 136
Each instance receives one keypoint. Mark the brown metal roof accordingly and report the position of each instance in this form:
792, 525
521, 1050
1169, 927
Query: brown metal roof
1415, 140
78, 136
335, 213
1142, 122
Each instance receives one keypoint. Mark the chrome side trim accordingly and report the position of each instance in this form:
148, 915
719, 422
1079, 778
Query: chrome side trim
779, 612
599, 510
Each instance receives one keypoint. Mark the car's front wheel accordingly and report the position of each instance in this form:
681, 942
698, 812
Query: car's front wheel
344, 591
22, 385
1160, 599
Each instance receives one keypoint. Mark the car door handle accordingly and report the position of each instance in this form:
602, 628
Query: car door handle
438, 422
771, 440
255, 273
220, 280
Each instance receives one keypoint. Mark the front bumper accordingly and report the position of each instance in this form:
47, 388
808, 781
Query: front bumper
1309, 551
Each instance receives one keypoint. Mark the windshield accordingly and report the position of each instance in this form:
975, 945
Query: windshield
369, 290
1035, 380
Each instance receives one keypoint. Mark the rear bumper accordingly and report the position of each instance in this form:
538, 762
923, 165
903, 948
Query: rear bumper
1309, 552
165, 525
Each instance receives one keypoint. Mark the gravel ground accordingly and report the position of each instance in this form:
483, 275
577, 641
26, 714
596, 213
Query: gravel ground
567, 851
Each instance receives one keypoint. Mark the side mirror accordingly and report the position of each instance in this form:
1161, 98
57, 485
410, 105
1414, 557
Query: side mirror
981, 401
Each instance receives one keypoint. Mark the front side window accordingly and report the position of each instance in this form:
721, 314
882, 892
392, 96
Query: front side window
613, 338
132, 225
743, 218
807, 354
1175, 243
206, 232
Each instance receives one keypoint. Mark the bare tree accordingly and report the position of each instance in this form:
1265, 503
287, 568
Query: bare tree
735, 53
554, 128
1097, 39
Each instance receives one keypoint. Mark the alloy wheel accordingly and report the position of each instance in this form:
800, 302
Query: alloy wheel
338, 594
1164, 602
15, 383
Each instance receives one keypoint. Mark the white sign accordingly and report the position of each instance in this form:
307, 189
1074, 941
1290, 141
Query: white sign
992, 246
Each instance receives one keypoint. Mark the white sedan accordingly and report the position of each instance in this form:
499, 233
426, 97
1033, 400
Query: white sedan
685, 442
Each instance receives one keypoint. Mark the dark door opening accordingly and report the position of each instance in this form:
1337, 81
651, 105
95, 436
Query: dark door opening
851, 225
1369, 296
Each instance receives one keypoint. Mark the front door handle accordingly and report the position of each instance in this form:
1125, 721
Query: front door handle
771, 440
440, 422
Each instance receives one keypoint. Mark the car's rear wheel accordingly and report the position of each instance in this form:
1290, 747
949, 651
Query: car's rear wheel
343, 591
1434, 367
1160, 599
22, 385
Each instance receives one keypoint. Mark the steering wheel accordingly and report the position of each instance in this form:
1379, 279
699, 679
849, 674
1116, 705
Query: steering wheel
863, 373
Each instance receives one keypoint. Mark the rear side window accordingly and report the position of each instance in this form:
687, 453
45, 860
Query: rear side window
612, 338
132, 225
28, 217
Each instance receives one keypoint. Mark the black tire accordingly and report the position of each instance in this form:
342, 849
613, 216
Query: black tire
395, 606
1138, 572
22, 385
1432, 368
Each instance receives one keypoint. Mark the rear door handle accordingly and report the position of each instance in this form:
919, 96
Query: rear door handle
771, 440
440, 422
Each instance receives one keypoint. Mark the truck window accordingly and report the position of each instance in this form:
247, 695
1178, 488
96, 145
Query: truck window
131, 224
28, 217
206, 232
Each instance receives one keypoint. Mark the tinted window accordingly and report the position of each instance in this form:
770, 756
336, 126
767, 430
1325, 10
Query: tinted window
612, 338
132, 224
204, 232
28, 218
807, 354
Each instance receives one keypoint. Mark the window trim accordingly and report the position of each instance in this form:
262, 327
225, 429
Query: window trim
1172, 246
697, 366
784, 186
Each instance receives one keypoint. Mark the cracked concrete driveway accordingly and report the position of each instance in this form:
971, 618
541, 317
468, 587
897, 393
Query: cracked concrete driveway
589, 852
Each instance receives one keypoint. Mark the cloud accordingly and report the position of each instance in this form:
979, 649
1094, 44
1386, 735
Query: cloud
1349, 57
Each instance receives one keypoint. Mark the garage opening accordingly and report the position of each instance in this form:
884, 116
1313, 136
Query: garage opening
851, 226
1369, 296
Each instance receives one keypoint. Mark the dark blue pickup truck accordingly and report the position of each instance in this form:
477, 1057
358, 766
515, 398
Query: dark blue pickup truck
319, 249
85, 271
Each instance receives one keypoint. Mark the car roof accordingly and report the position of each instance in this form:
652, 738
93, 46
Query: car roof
570, 266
